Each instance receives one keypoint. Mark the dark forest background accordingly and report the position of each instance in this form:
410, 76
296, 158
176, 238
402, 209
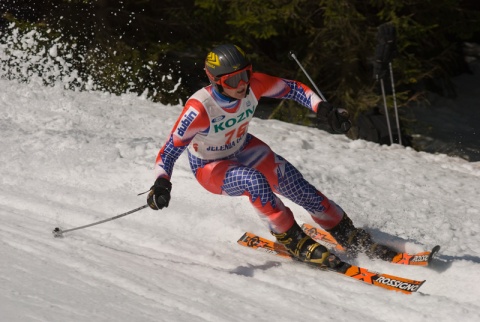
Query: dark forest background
157, 47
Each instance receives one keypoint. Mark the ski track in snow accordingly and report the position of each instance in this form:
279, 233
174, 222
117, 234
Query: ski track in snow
70, 159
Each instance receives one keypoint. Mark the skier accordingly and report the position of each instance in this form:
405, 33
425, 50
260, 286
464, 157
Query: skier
228, 160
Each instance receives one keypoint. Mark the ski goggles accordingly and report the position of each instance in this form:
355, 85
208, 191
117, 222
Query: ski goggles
233, 80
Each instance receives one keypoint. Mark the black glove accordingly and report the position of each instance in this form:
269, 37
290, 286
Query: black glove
337, 118
159, 195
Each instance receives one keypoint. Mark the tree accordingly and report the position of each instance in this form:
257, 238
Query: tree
133, 45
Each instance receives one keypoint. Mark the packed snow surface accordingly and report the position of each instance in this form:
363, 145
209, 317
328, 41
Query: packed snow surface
73, 158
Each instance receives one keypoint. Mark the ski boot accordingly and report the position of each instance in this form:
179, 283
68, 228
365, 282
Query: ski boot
303, 248
358, 240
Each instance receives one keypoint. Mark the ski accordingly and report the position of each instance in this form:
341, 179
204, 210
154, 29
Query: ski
323, 237
389, 282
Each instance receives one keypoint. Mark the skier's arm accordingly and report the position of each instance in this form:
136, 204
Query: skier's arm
274, 87
191, 121
264, 85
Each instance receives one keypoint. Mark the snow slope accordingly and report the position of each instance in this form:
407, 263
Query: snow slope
72, 158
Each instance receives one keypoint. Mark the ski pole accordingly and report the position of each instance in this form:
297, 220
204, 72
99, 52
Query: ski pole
292, 55
384, 53
395, 104
58, 232
386, 111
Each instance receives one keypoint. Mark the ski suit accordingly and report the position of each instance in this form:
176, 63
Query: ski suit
228, 160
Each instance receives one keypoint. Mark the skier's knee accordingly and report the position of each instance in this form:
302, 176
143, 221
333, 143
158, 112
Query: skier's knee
243, 179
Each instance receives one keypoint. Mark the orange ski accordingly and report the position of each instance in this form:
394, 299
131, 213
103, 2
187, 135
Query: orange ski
324, 238
389, 282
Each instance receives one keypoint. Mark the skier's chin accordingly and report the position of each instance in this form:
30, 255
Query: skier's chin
237, 93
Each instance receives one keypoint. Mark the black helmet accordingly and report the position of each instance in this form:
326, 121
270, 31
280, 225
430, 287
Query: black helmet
224, 59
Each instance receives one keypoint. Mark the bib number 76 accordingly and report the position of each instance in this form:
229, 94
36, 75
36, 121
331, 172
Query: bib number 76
236, 133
